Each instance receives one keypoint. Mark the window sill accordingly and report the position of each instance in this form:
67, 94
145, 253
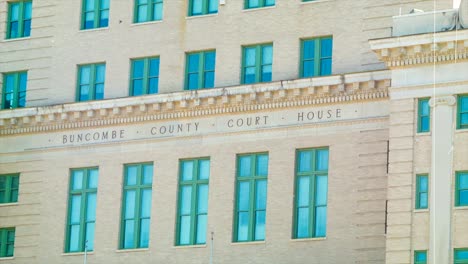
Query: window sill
132, 250
201, 16
308, 239
189, 246
7, 258
314, 2
78, 253
258, 8
462, 207
16, 39
421, 210
134, 24
248, 243
423, 133
8, 204
93, 29
461, 130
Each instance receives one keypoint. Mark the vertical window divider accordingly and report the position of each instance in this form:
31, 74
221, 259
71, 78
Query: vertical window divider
146, 69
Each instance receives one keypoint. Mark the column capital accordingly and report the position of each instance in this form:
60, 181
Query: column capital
442, 100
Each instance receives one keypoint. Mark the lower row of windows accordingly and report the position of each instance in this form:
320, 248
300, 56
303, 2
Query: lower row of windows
310, 210
460, 256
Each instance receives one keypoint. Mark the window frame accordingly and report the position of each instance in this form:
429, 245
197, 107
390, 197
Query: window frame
9, 188
421, 101
253, 180
16, 89
419, 192
83, 208
416, 252
462, 261
258, 62
97, 15
92, 82
4, 241
312, 174
201, 69
458, 189
138, 187
21, 19
317, 56
459, 112
261, 4
195, 184
205, 8
149, 11
146, 75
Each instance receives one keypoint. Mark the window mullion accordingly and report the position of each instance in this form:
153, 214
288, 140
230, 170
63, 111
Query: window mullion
201, 69
317, 59
149, 11
193, 213
312, 205
20, 19
3, 242
258, 64
250, 235
7, 194
146, 69
92, 82
139, 189
96, 13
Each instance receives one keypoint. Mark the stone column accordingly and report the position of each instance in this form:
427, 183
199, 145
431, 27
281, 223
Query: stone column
441, 179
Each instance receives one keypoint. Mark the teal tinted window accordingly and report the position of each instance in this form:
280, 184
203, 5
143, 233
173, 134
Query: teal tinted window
91, 79
145, 76
200, 70
258, 3
95, 14
310, 206
148, 10
422, 190
462, 112
424, 115
461, 189
251, 197
81, 210
9, 185
202, 7
316, 57
7, 242
257, 63
461, 256
19, 19
14, 90
136, 207
192, 213
420, 257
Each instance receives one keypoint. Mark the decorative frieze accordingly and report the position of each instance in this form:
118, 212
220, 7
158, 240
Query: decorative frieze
257, 97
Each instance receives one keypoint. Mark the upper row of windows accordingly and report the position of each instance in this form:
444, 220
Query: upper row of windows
95, 13
257, 64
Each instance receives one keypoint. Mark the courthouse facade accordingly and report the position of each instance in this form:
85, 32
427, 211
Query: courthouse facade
229, 131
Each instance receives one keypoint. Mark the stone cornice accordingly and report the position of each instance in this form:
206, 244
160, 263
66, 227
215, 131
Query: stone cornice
422, 49
188, 104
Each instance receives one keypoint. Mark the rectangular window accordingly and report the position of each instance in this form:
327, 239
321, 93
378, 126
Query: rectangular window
251, 197
7, 242
136, 209
461, 191
424, 115
200, 70
91, 79
462, 112
148, 10
257, 63
310, 210
19, 19
81, 210
258, 3
316, 57
14, 90
420, 257
95, 14
145, 76
422, 188
9, 185
202, 7
192, 210
461, 256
